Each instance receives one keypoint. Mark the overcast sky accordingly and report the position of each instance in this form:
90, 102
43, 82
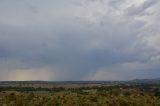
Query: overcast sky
79, 39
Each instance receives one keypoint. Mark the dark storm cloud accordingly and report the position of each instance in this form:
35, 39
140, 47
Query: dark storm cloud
66, 41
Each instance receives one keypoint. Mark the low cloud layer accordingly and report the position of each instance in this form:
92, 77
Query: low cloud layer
79, 39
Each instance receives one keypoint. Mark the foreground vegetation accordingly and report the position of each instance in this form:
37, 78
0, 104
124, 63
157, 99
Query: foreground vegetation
76, 99
141, 95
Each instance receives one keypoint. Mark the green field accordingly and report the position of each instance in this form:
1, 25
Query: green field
46, 98
80, 96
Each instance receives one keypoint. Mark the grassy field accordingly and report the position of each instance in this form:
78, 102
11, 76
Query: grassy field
79, 95
46, 98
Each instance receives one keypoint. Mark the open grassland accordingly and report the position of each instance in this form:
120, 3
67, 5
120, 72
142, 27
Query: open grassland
46, 98
79, 94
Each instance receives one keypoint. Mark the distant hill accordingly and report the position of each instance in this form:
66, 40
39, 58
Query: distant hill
111, 83
146, 81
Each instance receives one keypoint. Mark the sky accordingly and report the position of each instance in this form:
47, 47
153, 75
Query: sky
59, 40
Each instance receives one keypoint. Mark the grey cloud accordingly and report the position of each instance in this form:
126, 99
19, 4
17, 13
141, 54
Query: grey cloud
53, 40
141, 9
